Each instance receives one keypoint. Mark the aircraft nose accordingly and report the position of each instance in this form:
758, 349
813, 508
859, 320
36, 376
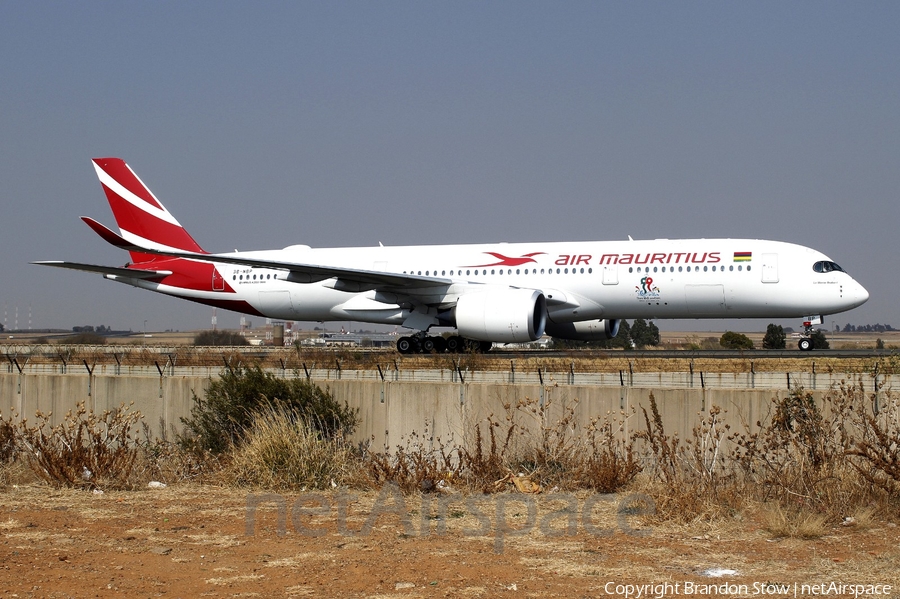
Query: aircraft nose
856, 293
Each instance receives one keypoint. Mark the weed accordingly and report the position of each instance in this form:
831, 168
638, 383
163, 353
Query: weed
85, 449
875, 454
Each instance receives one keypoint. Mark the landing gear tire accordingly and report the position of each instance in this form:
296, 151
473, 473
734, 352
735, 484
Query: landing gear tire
428, 345
805, 345
485, 346
405, 345
440, 345
455, 344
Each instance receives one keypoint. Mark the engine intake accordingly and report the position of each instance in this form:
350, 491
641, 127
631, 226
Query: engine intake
504, 316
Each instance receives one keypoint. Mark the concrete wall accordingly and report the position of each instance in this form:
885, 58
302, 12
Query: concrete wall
392, 411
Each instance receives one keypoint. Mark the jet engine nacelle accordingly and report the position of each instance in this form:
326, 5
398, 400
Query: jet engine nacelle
504, 316
585, 330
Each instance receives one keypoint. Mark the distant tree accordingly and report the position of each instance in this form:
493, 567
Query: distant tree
644, 334
85, 338
2, 328
732, 340
220, 338
879, 344
819, 340
775, 337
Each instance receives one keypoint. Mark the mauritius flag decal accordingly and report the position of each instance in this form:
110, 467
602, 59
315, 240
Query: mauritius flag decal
743, 256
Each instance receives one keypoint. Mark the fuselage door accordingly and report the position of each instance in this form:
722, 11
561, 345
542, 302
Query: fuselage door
770, 268
610, 274
218, 281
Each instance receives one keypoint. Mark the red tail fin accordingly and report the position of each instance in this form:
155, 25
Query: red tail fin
142, 219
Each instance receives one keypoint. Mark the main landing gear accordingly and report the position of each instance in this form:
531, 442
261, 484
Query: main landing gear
421, 343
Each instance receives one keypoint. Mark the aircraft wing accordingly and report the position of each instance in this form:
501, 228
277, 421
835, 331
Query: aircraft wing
132, 273
348, 279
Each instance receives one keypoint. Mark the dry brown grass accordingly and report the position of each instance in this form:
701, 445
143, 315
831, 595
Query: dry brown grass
793, 523
282, 451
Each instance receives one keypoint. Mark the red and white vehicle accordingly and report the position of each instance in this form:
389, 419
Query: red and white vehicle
498, 292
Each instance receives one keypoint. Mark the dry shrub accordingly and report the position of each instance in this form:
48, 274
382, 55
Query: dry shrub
606, 463
547, 442
875, 452
486, 465
555, 453
281, 450
8, 444
798, 456
417, 465
164, 459
8, 450
692, 479
84, 450
808, 461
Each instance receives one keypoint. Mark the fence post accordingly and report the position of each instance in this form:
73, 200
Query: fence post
541, 378
814, 375
752, 375
381, 374
162, 374
875, 405
90, 377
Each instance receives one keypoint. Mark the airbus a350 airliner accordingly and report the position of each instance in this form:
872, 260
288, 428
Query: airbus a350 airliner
499, 292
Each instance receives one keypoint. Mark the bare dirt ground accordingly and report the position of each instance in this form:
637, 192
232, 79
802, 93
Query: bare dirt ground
191, 540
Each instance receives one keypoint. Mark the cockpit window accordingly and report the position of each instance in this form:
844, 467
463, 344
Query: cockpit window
825, 266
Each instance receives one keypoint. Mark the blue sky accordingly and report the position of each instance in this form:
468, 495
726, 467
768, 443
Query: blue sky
267, 124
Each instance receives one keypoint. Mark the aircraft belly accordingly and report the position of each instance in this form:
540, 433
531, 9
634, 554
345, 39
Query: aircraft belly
705, 300
276, 304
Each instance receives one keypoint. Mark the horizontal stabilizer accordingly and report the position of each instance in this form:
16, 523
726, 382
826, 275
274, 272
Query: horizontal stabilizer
131, 273
109, 236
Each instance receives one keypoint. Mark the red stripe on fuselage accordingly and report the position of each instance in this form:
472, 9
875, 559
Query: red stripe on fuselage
187, 274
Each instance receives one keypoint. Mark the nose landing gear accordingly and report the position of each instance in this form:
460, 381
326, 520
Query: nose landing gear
806, 341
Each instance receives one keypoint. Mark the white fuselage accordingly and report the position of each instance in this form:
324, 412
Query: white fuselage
701, 278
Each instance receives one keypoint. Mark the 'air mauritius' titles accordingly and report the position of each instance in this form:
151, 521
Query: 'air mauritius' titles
658, 258
588, 259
